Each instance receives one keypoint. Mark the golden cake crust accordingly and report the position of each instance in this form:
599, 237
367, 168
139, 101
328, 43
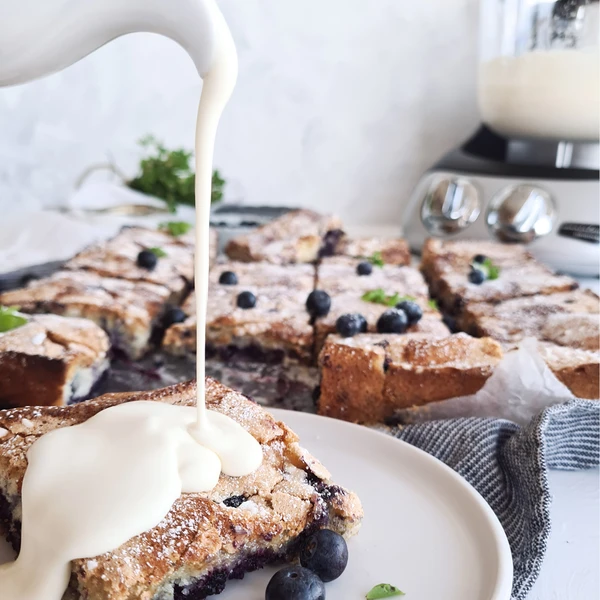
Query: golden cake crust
369, 377
296, 237
201, 533
41, 358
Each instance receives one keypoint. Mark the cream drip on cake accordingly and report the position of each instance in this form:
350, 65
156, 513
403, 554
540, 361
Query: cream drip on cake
90, 488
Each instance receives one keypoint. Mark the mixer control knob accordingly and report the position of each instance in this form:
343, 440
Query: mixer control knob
521, 213
450, 206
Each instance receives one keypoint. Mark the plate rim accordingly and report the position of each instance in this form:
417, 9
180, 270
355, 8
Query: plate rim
505, 571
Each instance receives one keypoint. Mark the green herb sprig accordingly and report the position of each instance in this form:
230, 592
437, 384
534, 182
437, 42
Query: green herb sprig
10, 319
175, 228
383, 590
168, 175
490, 270
379, 296
158, 252
377, 259
432, 304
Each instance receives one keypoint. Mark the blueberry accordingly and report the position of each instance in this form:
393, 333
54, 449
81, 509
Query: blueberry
392, 321
295, 583
412, 309
364, 268
228, 278
325, 553
147, 260
318, 303
246, 300
479, 259
476, 276
363, 323
173, 315
349, 325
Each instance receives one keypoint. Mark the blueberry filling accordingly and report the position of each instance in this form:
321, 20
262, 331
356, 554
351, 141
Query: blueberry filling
234, 501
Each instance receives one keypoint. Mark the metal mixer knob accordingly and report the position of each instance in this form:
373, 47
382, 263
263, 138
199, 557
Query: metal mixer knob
521, 213
451, 205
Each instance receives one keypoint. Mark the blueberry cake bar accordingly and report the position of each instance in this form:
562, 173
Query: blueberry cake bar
390, 251
578, 370
264, 324
369, 377
51, 360
138, 254
206, 539
351, 303
299, 277
128, 311
447, 266
568, 318
300, 236
344, 274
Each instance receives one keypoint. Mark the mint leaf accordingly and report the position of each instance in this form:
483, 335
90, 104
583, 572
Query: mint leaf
379, 296
432, 304
383, 590
377, 259
493, 272
376, 296
175, 228
392, 300
9, 319
407, 299
158, 252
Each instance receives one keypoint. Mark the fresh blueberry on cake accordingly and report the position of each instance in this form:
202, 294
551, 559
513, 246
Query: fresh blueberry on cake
412, 310
147, 260
364, 268
318, 303
392, 321
350, 325
228, 278
246, 300
476, 276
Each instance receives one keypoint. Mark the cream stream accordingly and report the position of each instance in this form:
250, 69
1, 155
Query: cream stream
90, 488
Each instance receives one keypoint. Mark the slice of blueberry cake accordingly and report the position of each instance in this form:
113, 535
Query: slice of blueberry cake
263, 324
138, 254
50, 360
369, 377
461, 272
128, 311
206, 539
235, 273
300, 236
393, 251
568, 318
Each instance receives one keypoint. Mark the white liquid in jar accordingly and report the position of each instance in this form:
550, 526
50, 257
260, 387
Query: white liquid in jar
90, 488
543, 94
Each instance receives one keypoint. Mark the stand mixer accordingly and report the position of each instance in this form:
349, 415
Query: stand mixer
530, 174
39, 37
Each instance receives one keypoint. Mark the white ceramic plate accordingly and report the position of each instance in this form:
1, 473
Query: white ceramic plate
425, 529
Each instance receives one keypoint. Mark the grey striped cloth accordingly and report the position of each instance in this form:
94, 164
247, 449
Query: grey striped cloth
508, 465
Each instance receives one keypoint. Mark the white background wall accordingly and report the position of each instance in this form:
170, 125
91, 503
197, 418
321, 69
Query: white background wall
341, 104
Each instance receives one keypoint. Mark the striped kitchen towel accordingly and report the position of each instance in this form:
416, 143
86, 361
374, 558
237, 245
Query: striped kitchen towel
508, 465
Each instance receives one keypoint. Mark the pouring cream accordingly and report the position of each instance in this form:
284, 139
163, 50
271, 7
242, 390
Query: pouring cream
90, 488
